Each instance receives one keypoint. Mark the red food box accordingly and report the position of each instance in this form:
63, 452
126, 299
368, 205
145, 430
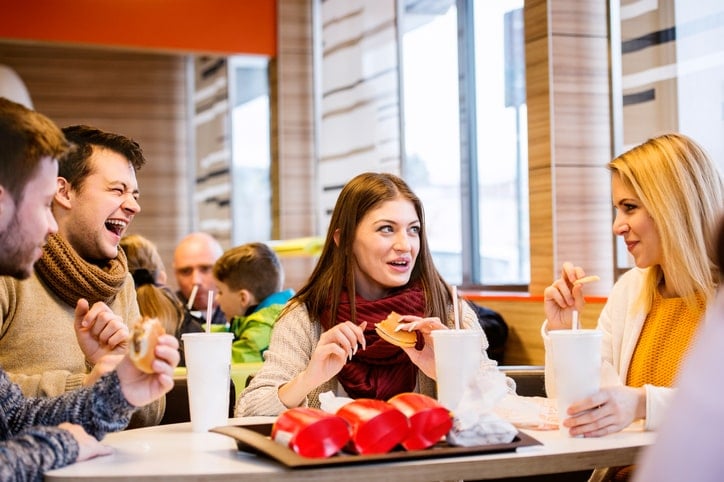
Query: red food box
311, 432
376, 426
429, 421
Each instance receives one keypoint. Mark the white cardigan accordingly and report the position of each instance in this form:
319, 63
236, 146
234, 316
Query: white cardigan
621, 322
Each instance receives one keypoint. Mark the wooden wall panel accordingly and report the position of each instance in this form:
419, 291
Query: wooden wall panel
294, 160
212, 153
569, 140
359, 124
139, 95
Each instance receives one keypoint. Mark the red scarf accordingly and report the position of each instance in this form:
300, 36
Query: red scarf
382, 370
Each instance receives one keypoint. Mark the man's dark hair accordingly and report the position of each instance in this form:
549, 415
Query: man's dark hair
75, 166
26, 137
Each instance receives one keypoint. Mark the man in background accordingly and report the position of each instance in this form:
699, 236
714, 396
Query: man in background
193, 263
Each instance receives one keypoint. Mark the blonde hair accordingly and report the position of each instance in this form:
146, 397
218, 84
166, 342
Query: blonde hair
154, 299
680, 187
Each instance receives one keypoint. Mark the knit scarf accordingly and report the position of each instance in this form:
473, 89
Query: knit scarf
382, 370
71, 277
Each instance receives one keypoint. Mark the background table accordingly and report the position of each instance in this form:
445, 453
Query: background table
174, 452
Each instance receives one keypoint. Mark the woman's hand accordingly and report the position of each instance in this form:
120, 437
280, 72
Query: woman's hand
562, 297
335, 347
610, 410
425, 358
141, 388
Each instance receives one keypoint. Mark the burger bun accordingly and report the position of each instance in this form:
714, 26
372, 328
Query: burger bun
144, 338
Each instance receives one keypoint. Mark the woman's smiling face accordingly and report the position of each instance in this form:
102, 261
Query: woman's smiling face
385, 248
635, 225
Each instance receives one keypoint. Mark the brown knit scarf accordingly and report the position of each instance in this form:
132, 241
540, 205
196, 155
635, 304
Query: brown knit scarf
382, 370
71, 277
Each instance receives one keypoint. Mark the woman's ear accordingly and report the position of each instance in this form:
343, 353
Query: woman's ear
62, 195
336, 237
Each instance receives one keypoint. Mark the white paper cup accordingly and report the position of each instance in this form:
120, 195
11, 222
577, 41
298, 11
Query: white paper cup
576, 356
458, 355
208, 368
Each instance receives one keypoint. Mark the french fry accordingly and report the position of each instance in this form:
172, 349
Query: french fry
586, 279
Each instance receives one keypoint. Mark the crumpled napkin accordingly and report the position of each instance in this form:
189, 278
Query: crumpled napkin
474, 419
535, 413
330, 403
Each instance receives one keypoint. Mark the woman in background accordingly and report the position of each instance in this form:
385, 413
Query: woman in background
155, 299
375, 260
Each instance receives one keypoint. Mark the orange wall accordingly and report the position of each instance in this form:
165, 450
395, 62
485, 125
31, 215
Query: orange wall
194, 26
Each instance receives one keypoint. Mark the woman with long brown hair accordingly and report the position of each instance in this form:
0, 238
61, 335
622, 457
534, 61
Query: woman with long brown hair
375, 260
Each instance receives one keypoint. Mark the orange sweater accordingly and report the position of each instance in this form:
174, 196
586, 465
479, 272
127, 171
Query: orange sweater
664, 340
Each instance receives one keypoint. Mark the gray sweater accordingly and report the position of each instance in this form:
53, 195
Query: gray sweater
32, 444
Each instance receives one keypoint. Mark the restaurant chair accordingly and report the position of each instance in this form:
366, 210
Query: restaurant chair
529, 379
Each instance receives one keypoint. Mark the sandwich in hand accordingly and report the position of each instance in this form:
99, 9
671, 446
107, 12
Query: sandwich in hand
144, 338
386, 330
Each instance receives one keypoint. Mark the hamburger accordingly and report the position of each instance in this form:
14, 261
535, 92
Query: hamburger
386, 330
144, 338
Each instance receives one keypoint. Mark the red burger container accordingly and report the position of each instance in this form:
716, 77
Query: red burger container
311, 432
376, 426
429, 421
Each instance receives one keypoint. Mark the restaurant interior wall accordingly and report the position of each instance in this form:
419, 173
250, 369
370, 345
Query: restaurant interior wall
565, 37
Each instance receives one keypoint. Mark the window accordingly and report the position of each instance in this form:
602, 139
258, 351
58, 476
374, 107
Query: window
475, 192
250, 146
669, 69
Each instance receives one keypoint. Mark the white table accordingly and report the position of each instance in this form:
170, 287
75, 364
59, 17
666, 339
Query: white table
174, 452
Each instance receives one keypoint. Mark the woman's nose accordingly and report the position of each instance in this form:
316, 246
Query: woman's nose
620, 227
402, 243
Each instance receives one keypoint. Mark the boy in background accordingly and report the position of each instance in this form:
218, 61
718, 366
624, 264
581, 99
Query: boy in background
249, 280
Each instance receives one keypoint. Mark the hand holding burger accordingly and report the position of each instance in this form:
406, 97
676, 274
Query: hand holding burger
412, 334
146, 372
144, 338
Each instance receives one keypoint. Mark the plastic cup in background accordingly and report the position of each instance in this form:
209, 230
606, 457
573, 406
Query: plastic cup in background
458, 355
576, 357
208, 368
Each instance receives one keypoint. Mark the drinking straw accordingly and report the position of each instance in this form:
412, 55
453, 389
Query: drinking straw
194, 290
209, 310
574, 320
456, 314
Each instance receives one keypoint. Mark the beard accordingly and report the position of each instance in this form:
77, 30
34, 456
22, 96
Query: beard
16, 253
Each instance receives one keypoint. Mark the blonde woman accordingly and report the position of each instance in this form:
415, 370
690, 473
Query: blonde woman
668, 198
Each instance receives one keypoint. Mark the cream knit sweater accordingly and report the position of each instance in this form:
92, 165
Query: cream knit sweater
38, 347
293, 340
